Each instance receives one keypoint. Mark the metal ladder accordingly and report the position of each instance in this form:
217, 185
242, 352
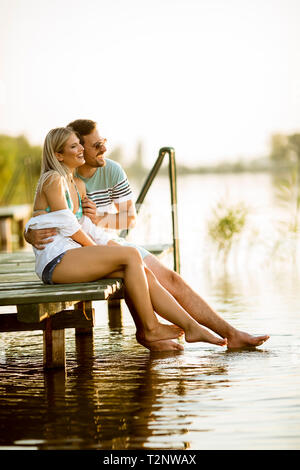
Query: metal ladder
173, 190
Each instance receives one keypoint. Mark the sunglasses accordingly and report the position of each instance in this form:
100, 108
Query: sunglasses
99, 144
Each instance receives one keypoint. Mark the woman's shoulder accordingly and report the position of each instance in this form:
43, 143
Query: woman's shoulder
53, 175
51, 178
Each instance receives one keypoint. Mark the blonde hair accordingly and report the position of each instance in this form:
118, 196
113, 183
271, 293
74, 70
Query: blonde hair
54, 142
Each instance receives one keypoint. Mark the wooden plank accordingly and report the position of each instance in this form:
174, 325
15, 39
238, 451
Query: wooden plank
31, 313
112, 282
97, 290
17, 269
4, 286
17, 266
20, 285
17, 257
11, 277
17, 212
65, 319
39, 295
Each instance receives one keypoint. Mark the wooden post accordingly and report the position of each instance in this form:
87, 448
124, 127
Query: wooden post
85, 353
89, 313
21, 228
5, 234
114, 307
54, 346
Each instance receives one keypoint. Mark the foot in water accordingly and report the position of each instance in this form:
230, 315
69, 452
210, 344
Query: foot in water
161, 346
244, 340
198, 333
160, 333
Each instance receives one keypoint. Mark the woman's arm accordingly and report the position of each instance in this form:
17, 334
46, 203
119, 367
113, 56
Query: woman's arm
83, 238
55, 192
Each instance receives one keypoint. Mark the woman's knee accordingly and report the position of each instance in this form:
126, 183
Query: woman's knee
133, 255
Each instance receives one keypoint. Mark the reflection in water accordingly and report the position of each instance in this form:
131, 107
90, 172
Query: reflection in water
109, 400
116, 395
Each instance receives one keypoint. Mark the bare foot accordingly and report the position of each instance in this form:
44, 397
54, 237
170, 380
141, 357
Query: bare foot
244, 340
161, 332
160, 346
198, 333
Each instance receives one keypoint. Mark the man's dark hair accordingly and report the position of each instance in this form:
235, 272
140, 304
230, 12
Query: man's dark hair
82, 127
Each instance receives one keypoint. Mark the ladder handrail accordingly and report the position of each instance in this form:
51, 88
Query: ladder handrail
173, 190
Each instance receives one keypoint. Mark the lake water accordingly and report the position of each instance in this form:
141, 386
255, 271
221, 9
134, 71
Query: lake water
114, 394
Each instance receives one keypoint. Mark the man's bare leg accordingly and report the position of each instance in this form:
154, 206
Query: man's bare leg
196, 306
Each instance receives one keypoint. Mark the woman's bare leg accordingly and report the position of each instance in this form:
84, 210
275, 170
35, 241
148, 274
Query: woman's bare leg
158, 346
95, 262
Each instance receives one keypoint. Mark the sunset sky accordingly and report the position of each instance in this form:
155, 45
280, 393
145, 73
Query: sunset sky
212, 78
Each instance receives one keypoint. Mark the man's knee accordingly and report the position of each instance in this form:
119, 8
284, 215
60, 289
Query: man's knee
171, 280
150, 276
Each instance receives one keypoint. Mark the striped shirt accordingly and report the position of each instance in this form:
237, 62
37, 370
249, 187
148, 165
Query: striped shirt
108, 185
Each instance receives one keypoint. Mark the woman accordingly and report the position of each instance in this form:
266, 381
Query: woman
82, 252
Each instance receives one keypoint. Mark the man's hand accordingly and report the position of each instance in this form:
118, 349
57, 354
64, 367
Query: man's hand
90, 209
40, 237
123, 219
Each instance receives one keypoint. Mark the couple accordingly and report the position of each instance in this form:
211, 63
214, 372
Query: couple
75, 193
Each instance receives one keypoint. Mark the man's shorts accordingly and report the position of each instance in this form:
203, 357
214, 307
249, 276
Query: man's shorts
143, 251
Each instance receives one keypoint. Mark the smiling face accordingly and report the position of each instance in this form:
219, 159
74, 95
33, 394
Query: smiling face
72, 153
94, 149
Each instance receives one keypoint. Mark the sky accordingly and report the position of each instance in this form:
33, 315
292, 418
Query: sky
212, 78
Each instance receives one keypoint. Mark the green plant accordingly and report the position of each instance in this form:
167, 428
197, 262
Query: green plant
288, 196
226, 224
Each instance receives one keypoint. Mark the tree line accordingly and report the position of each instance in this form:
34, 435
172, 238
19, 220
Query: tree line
285, 149
20, 164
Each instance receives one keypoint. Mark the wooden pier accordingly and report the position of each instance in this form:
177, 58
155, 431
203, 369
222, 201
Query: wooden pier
53, 308
9, 215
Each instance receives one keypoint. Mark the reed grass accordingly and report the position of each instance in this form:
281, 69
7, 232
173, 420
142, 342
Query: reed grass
226, 225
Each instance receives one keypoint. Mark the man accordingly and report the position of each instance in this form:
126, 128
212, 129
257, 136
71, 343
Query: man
108, 188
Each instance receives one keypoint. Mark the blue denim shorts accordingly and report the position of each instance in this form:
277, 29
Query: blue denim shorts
49, 268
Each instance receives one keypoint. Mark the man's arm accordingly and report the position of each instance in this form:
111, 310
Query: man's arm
124, 218
40, 237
